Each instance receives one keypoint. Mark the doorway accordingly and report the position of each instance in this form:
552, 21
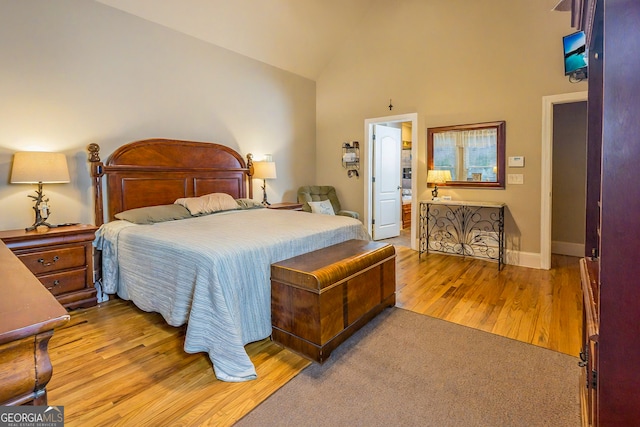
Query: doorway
547, 169
569, 178
368, 165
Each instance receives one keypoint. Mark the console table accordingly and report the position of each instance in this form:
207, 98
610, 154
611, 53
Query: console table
474, 229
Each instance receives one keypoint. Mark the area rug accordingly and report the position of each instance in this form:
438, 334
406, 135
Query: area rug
407, 369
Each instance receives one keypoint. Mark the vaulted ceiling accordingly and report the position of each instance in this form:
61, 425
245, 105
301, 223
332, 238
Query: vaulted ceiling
299, 36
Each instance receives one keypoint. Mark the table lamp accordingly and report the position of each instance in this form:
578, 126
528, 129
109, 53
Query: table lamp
35, 167
436, 177
264, 171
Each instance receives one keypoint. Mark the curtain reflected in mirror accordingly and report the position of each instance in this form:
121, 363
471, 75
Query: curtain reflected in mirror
473, 154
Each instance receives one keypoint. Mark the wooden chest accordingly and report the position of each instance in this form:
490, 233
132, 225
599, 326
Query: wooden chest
321, 298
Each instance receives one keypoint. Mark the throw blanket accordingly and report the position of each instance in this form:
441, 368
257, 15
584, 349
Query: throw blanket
213, 273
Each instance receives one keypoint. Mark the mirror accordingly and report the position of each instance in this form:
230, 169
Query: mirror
474, 154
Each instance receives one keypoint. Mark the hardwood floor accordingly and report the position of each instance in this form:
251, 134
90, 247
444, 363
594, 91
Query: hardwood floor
115, 365
540, 307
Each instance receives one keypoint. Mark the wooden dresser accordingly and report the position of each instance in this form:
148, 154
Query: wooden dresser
589, 273
62, 258
29, 315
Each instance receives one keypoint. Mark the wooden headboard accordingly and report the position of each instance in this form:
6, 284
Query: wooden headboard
159, 171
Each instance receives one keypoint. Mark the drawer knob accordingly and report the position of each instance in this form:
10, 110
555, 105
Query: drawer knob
55, 283
47, 264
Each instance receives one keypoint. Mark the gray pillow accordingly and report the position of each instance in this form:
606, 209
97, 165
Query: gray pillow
249, 204
153, 214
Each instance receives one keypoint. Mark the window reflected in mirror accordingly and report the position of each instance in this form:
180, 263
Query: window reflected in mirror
473, 154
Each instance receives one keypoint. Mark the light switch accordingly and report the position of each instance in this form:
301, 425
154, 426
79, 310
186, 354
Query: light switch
516, 162
515, 178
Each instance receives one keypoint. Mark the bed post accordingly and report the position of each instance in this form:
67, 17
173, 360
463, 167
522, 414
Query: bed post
97, 171
250, 173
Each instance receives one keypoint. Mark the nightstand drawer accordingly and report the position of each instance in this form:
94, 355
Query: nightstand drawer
67, 281
54, 260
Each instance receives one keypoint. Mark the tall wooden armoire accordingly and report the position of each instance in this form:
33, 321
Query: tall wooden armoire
611, 268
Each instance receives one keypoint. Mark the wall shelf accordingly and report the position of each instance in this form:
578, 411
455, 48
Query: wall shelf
351, 157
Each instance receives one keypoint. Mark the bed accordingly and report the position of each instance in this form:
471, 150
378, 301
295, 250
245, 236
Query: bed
210, 271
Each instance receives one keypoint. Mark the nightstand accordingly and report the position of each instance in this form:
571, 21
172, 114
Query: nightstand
61, 258
286, 206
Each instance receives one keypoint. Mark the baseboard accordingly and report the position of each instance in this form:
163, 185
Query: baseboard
533, 260
567, 248
520, 259
523, 259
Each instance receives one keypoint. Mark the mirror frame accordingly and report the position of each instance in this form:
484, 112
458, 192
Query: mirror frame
500, 127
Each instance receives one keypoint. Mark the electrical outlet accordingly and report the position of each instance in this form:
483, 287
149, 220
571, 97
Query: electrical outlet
515, 178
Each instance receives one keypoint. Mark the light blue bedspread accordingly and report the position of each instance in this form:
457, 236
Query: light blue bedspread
213, 273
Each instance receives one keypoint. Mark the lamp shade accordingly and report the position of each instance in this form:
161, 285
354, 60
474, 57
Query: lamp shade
438, 176
264, 170
33, 167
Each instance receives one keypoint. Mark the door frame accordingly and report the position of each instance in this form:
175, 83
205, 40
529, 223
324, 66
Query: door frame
367, 166
547, 169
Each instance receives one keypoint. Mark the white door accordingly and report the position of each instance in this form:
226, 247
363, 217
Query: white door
386, 186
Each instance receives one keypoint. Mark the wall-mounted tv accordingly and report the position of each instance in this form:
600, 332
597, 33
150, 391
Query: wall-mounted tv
576, 55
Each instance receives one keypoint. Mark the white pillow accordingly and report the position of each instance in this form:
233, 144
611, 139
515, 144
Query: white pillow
324, 207
209, 203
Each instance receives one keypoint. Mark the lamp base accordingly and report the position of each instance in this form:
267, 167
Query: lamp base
37, 225
40, 220
264, 193
434, 192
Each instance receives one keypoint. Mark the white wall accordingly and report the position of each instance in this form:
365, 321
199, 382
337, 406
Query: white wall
76, 72
452, 62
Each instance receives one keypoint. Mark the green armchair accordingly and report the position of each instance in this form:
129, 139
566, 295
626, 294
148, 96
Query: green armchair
317, 193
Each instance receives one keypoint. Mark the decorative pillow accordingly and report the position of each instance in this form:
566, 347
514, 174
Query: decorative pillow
248, 204
323, 207
153, 214
209, 203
